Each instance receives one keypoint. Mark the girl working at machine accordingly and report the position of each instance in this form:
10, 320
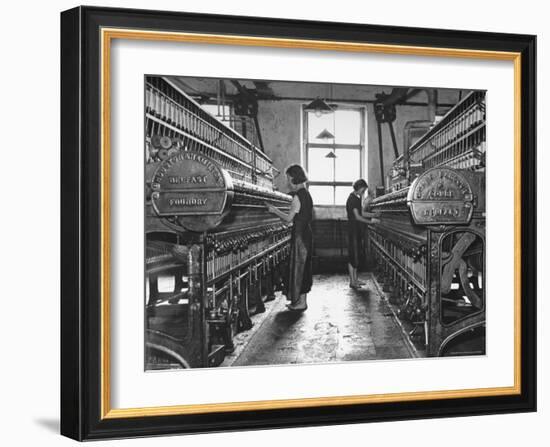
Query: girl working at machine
355, 231
301, 213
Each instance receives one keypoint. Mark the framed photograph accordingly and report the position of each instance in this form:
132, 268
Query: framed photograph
273, 223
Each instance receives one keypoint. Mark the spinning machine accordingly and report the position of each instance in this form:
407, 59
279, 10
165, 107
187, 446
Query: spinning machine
429, 243
213, 252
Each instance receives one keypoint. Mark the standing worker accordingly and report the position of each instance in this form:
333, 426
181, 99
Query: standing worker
355, 239
300, 276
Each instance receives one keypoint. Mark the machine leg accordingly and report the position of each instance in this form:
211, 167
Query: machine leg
380, 152
244, 322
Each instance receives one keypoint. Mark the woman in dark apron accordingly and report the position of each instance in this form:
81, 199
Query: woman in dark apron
301, 245
356, 218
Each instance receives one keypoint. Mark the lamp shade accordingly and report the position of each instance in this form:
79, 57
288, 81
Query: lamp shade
318, 106
331, 154
325, 135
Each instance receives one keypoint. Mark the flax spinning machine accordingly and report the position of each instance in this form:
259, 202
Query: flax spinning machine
214, 254
429, 246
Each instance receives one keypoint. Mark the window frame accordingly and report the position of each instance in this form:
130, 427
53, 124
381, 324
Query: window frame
361, 147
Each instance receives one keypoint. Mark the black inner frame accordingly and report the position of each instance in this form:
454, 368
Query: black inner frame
81, 205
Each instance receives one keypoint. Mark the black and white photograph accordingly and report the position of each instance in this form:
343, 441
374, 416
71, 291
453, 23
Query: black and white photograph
304, 222
275, 223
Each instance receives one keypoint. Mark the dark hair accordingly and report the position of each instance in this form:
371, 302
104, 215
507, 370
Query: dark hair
297, 174
358, 184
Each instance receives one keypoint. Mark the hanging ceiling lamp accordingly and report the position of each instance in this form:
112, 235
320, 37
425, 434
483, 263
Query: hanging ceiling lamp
319, 107
325, 135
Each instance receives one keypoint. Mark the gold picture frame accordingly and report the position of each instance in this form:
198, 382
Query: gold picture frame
109, 26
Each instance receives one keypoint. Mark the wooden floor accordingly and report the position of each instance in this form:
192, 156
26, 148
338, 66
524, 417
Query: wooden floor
341, 324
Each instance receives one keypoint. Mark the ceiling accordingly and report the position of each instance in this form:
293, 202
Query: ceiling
207, 89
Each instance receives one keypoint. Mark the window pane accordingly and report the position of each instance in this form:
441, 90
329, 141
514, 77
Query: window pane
213, 110
320, 168
224, 110
342, 194
316, 124
322, 195
348, 165
348, 126
166, 283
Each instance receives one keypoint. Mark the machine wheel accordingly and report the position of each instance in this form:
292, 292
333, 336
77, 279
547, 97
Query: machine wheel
164, 352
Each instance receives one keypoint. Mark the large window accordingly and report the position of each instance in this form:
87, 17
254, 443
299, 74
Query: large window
334, 162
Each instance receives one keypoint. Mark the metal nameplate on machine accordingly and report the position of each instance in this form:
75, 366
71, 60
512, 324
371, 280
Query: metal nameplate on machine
191, 184
441, 196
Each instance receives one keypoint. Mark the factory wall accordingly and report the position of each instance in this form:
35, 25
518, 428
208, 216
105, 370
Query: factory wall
280, 125
281, 134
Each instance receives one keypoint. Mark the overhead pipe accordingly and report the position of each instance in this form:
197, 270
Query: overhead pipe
249, 96
419, 124
397, 94
384, 112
